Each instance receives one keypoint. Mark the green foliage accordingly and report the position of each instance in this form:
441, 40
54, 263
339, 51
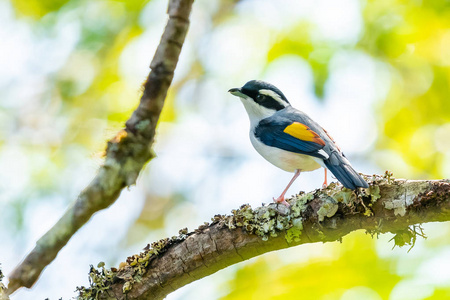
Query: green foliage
414, 39
439, 294
36, 8
354, 265
87, 99
297, 41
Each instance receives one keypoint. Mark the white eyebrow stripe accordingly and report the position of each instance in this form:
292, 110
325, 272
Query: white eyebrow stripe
274, 95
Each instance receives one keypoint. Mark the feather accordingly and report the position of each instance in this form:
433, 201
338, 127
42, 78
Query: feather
341, 168
289, 136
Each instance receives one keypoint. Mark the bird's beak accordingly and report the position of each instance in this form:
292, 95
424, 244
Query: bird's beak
236, 92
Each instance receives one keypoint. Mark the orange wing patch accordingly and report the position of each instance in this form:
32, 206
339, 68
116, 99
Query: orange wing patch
302, 132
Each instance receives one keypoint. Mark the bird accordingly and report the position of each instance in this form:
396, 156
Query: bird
289, 139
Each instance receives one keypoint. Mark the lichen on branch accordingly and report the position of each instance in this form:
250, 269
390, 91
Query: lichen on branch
319, 216
3, 294
126, 153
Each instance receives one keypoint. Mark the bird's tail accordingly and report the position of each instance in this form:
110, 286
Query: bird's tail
344, 172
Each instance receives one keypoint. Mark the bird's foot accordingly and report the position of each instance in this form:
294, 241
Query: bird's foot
281, 200
325, 183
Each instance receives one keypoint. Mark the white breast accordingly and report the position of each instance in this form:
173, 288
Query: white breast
285, 160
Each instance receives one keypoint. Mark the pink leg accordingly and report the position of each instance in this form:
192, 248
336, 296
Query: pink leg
324, 185
281, 198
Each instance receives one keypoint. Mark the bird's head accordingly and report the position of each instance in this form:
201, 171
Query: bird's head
260, 99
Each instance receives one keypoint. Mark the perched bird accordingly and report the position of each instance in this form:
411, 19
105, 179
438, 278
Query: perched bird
290, 139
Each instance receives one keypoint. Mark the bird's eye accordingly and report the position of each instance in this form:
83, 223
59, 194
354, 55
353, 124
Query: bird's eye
259, 97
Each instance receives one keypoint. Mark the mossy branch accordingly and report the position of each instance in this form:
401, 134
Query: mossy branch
388, 205
3, 295
126, 153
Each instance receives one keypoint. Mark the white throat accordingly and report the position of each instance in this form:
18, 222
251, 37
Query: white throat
256, 112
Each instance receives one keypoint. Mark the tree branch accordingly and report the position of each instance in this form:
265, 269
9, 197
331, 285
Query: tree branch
126, 153
321, 216
3, 295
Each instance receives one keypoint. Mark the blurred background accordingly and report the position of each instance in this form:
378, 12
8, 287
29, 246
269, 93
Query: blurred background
375, 74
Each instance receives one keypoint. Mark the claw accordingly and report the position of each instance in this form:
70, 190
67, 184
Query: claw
281, 201
281, 198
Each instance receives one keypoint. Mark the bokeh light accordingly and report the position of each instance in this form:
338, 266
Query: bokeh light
375, 74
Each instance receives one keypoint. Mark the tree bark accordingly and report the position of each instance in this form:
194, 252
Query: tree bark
126, 153
324, 215
3, 294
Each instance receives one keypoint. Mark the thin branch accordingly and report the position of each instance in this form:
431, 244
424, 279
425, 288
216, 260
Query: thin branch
3, 295
126, 153
324, 215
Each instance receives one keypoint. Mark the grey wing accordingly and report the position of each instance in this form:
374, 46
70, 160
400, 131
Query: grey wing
336, 161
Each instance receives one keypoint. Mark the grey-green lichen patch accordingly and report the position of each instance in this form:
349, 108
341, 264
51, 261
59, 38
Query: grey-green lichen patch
293, 234
300, 202
375, 179
328, 209
343, 195
398, 205
126, 154
130, 271
364, 198
413, 190
408, 236
269, 220
262, 222
3, 294
265, 221
410, 192
110, 178
127, 286
143, 126
99, 279
131, 169
374, 192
